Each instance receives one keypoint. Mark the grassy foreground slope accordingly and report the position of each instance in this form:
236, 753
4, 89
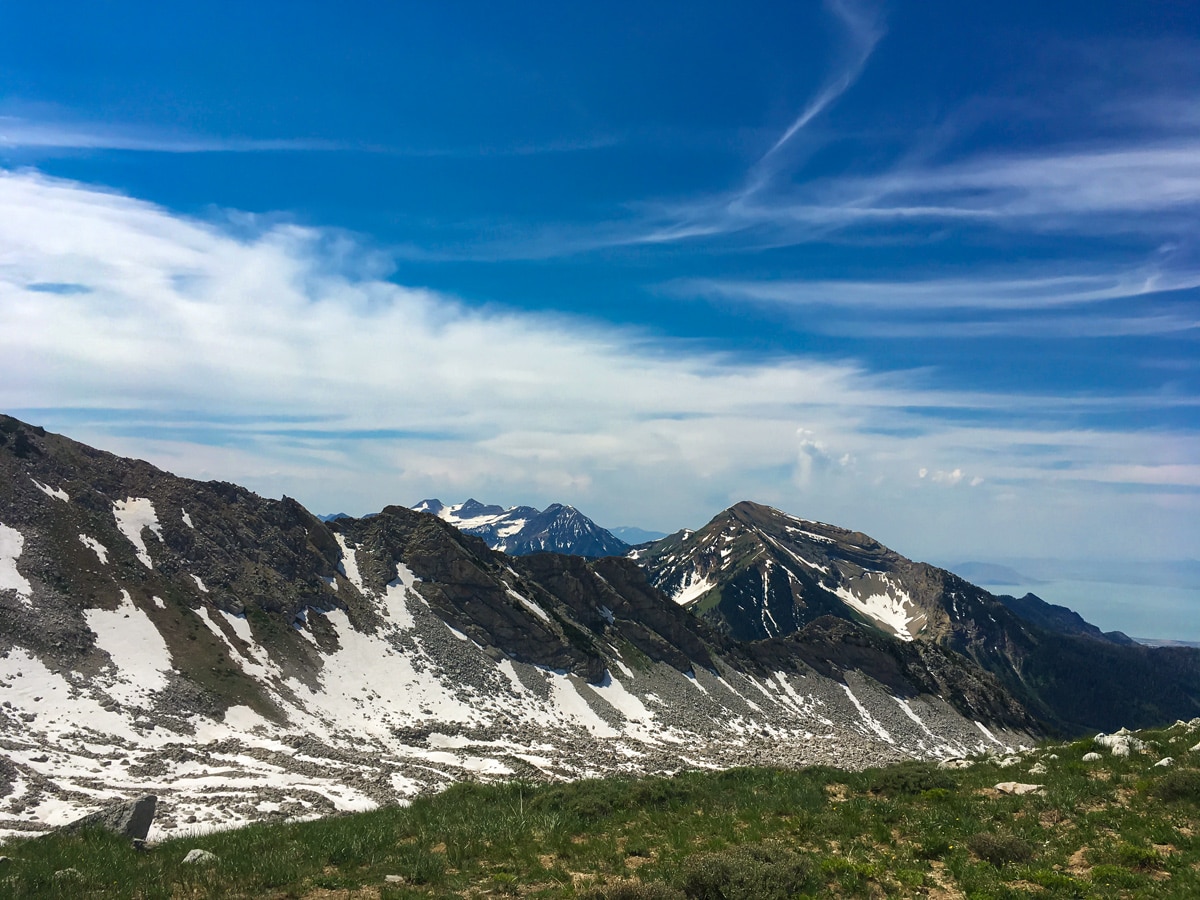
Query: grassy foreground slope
1116, 827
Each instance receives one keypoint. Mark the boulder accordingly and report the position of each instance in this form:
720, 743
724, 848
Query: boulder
1121, 744
1164, 762
128, 818
200, 857
1092, 757
954, 764
1016, 787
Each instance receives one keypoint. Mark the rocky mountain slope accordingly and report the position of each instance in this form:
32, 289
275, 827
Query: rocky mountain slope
755, 572
522, 530
244, 660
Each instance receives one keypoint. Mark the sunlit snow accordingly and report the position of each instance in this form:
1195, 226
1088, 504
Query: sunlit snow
133, 515
11, 544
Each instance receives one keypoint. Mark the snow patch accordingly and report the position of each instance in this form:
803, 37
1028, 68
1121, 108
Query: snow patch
529, 605
870, 720
11, 544
889, 608
134, 515
199, 583
692, 589
349, 564
187, 520
55, 493
96, 547
140, 658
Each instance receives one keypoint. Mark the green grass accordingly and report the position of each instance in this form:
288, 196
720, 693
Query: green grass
1117, 828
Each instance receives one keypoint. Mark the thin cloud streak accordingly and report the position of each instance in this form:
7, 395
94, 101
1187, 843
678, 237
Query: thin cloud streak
21, 134
981, 293
865, 32
18, 134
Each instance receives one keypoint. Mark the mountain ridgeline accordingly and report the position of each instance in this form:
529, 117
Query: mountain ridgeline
754, 572
157, 633
522, 530
164, 635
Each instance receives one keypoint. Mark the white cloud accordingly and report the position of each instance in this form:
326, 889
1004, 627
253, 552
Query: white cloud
272, 361
18, 133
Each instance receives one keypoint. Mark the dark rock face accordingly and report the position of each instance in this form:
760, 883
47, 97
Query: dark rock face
128, 818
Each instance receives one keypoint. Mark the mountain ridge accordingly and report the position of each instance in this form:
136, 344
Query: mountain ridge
521, 530
165, 635
755, 572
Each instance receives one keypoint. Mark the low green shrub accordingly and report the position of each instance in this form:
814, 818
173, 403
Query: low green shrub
1177, 785
632, 889
1000, 849
909, 779
761, 871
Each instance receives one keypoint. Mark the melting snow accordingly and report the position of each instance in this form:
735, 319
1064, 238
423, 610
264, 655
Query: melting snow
11, 543
349, 564
138, 652
889, 608
529, 605
56, 493
692, 589
96, 547
199, 583
134, 515
871, 721
187, 520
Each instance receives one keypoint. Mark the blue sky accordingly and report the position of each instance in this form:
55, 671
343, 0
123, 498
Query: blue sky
928, 270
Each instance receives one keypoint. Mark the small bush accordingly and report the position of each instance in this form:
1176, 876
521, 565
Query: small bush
1000, 849
1180, 784
633, 889
760, 871
909, 779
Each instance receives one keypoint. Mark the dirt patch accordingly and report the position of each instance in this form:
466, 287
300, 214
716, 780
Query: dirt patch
837, 793
943, 887
1077, 864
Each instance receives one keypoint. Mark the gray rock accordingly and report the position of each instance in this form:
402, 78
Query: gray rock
1164, 762
1016, 787
129, 818
198, 857
1037, 769
954, 764
1092, 757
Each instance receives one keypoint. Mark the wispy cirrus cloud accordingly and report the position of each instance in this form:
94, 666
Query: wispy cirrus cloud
978, 293
23, 134
864, 28
45, 135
